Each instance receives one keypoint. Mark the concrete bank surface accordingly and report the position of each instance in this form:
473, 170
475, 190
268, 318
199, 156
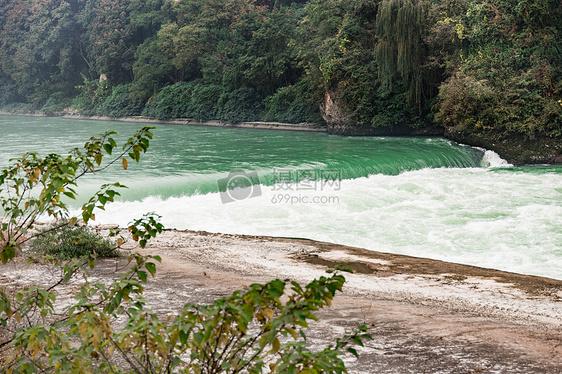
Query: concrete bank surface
427, 316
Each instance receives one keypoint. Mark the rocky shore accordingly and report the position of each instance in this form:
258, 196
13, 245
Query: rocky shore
426, 316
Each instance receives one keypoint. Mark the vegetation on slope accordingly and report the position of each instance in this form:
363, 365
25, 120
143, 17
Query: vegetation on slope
484, 70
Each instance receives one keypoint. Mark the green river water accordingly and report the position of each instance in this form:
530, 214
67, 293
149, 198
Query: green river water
425, 197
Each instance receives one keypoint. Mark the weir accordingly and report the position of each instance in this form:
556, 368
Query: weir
425, 197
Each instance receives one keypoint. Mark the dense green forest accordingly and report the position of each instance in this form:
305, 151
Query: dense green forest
481, 69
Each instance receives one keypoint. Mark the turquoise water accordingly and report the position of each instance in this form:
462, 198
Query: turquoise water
425, 197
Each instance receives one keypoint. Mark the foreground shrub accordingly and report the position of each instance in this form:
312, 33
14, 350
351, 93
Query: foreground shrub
261, 328
67, 242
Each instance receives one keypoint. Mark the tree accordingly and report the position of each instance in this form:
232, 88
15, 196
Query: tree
261, 55
336, 44
401, 52
147, 17
111, 37
39, 48
506, 80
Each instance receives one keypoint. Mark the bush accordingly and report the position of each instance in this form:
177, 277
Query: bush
243, 104
172, 101
466, 103
19, 108
107, 327
120, 103
289, 104
92, 94
204, 102
256, 330
55, 103
67, 242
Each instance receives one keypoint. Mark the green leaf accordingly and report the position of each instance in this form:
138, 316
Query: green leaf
108, 148
142, 275
4, 257
70, 195
68, 273
275, 346
352, 351
151, 267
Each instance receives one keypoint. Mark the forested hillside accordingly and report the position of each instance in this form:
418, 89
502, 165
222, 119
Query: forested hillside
484, 70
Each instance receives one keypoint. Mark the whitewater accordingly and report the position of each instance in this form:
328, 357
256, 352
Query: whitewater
425, 197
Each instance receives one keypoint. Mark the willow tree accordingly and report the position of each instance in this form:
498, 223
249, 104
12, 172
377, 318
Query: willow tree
400, 51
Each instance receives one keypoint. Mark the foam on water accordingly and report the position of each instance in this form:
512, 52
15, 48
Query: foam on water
508, 221
492, 159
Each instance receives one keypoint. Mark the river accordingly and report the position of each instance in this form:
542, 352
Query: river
426, 197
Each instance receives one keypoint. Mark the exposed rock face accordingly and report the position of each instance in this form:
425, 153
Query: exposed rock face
331, 111
340, 123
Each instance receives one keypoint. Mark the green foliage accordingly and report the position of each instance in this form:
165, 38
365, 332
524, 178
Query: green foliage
147, 16
509, 78
261, 56
110, 34
242, 104
261, 328
204, 103
393, 110
384, 62
39, 51
33, 186
467, 103
146, 228
172, 101
399, 51
120, 103
154, 67
337, 50
55, 104
67, 242
91, 95
290, 104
